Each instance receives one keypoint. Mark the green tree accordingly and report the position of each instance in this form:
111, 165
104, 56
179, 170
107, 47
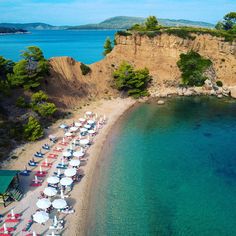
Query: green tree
46, 109
107, 46
39, 97
229, 20
30, 71
193, 65
219, 26
41, 106
6, 67
32, 131
133, 82
151, 23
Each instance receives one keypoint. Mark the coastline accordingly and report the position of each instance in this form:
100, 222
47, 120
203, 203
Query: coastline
75, 224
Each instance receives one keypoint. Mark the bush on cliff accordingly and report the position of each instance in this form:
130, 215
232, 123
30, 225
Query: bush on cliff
40, 104
107, 46
85, 69
193, 65
134, 82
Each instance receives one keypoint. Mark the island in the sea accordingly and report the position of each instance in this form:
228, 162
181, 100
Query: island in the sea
6, 30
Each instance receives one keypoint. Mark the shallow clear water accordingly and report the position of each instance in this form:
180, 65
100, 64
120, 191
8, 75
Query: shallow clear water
82, 45
170, 171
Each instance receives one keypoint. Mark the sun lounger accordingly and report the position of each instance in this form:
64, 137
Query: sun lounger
57, 150
40, 174
25, 173
53, 156
28, 226
63, 144
32, 163
56, 227
9, 229
17, 216
38, 156
5, 234
36, 184
9, 220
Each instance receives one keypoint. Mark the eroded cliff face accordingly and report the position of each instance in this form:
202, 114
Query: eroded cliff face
159, 54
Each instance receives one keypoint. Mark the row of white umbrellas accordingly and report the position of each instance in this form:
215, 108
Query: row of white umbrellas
66, 181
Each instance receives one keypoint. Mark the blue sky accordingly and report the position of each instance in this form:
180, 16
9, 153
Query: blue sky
74, 12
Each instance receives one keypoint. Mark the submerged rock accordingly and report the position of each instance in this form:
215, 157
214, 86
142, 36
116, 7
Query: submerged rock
160, 102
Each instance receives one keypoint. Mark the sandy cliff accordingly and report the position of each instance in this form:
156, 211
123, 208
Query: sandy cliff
158, 54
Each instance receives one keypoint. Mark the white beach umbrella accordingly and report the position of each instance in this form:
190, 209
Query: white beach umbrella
83, 130
68, 134
91, 122
41, 217
88, 113
62, 162
63, 126
40, 169
91, 131
82, 120
59, 204
49, 191
66, 154
34, 233
53, 180
87, 126
43, 203
84, 141
74, 162
73, 129
70, 172
78, 154
66, 181
78, 124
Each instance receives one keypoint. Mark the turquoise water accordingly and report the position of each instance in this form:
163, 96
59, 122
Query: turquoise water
84, 45
170, 171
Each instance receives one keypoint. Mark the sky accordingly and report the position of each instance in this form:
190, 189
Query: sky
76, 12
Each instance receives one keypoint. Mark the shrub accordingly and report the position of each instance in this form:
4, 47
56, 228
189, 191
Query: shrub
193, 65
32, 131
107, 47
219, 83
85, 69
20, 102
123, 33
134, 82
46, 109
39, 97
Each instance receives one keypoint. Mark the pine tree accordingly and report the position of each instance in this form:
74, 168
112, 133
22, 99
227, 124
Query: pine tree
107, 46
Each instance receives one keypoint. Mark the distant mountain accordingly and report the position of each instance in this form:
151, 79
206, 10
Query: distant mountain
118, 22
5, 30
32, 26
125, 22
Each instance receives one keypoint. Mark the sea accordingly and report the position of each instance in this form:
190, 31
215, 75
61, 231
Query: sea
83, 45
168, 171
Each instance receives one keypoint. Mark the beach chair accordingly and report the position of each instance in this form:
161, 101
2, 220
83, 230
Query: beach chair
25, 173
53, 156
9, 229
9, 220
35, 184
40, 174
17, 216
28, 226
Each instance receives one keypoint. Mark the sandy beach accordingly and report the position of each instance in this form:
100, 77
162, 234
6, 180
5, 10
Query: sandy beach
79, 196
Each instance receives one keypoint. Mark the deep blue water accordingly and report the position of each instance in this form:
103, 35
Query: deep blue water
84, 45
170, 171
